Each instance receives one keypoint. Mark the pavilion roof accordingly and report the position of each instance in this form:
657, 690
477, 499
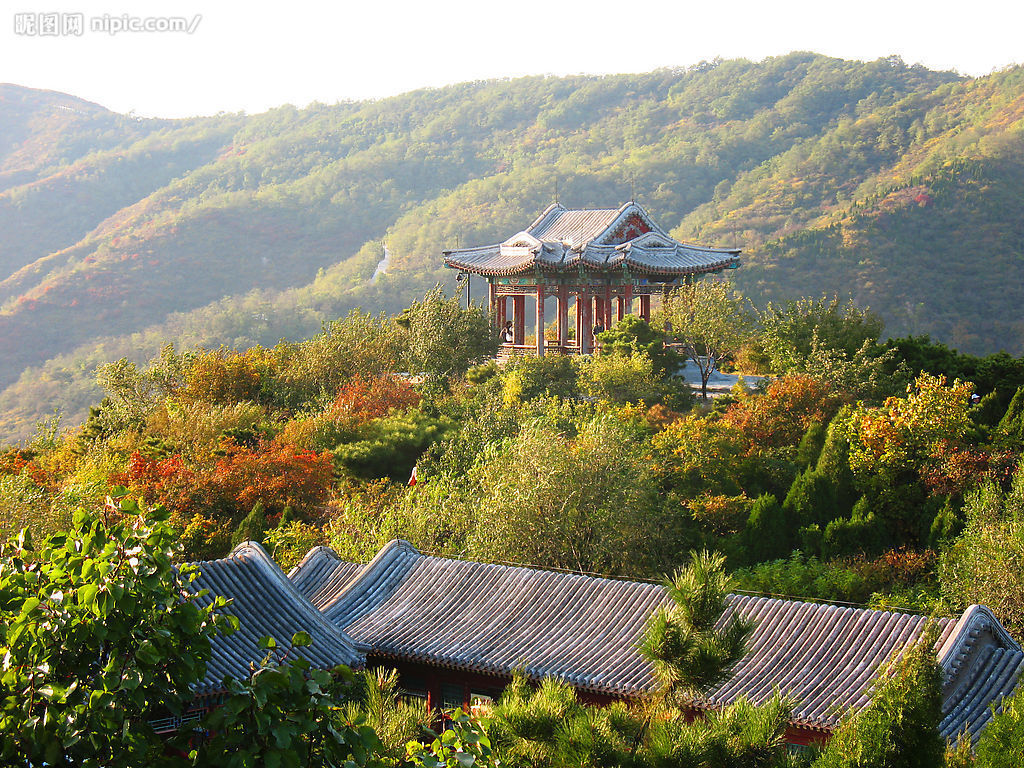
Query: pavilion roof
601, 240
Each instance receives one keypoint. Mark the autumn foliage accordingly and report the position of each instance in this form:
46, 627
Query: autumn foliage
373, 397
276, 475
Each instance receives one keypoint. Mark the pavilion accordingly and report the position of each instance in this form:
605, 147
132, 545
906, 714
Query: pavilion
600, 259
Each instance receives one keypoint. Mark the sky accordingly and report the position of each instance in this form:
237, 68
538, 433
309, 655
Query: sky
254, 55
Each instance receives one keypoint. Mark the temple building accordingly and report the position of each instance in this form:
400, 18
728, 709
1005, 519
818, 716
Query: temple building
458, 630
600, 260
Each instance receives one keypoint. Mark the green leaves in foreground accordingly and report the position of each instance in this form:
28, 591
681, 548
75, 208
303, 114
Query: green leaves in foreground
96, 635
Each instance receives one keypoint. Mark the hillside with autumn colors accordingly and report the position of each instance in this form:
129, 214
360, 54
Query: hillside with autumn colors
886, 182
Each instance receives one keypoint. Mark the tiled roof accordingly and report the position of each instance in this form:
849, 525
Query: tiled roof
497, 619
321, 574
562, 239
578, 227
265, 603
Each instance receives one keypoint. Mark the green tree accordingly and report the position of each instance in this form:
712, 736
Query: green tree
252, 526
766, 535
1002, 742
710, 322
1011, 426
985, 564
690, 653
97, 635
792, 331
633, 334
528, 376
442, 339
631, 379
287, 715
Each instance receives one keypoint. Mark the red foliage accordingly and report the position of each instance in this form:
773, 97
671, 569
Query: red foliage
781, 415
373, 397
277, 475
13, 461
954, 470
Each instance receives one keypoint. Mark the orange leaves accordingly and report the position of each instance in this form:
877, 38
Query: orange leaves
783, 413
277, 475
923, 431
373, 397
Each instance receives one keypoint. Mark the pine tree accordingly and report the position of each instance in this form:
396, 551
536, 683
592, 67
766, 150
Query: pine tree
766, 536
252, 526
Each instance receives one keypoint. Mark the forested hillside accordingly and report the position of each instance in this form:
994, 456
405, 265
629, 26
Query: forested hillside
888, 182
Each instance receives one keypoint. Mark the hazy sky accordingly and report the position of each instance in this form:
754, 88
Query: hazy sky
254, 55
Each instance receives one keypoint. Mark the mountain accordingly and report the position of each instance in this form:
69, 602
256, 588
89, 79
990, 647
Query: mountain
890, 183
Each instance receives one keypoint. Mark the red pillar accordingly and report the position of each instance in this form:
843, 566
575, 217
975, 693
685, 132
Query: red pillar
492, 300
540, 321
502, 311
519, 319
620, 307
608, 306
563, 317
586, 328
598, 311
627, 298
645, 307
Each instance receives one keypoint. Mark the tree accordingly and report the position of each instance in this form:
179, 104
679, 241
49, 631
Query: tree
630, 379
689, 652
287, 715
633, 334
251, 527
985, 564
1002, 742
766, 535
442, 339
98, 635
709, 321
793, 331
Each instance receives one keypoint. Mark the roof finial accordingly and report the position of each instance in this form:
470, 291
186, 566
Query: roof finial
632, 187
556, 191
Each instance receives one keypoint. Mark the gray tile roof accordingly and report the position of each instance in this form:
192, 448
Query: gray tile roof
497, 619
577, 227
265, 603
562, 239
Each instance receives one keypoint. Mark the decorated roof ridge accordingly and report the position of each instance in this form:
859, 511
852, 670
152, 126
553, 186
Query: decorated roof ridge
374, 583
974, 619
560, 238
310, 558
266, 562
266, 603
976, 668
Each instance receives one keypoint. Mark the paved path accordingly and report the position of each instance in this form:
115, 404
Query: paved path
719, 383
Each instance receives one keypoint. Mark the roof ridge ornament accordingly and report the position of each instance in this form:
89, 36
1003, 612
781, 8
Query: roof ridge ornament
589, 232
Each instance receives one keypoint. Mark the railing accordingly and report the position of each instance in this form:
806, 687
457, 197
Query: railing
550, 348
